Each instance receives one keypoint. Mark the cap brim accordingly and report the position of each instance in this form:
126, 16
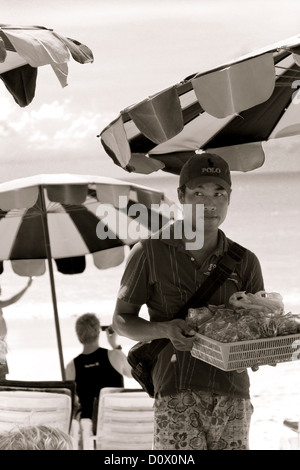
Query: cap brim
194, 182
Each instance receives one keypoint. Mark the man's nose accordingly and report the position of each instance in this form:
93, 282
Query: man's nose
209, 204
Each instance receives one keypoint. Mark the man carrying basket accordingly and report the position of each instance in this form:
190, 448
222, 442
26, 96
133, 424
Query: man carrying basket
197, 406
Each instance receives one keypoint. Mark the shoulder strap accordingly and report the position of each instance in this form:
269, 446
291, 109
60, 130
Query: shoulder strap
202, 295
218, 276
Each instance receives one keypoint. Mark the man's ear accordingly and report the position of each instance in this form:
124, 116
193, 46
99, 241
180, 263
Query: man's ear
180, 194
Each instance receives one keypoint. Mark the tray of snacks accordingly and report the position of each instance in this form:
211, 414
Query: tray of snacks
253, 331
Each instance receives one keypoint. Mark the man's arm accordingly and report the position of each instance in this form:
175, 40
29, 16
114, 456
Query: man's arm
119, 362
3, 327
16, 297
112, 338
127, 323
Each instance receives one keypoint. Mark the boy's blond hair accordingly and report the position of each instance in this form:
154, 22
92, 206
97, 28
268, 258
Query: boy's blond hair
36, 437
87, 328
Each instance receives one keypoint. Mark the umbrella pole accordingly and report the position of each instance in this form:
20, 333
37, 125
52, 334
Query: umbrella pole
53, 292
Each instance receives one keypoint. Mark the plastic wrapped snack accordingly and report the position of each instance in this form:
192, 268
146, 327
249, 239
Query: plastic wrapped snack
261, 301
197, 316
252, 316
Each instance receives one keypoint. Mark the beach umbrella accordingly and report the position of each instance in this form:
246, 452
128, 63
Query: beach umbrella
25, 48
230, 110
64, 217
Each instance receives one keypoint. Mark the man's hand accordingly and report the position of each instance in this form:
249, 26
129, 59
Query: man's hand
254, 368
181, 335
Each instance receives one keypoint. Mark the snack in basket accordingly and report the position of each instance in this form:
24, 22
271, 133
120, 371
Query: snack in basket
253, 316
262, 301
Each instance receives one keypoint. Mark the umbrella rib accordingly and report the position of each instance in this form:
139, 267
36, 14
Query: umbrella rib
37, 210
287, 76
284, 85
287, 68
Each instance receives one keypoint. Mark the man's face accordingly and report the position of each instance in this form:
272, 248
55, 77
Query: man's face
215, 200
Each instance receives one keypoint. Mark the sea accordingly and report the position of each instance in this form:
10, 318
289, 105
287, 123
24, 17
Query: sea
263, 215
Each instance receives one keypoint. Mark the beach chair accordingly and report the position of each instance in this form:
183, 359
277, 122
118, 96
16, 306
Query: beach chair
290, 435
48, 402
125, 421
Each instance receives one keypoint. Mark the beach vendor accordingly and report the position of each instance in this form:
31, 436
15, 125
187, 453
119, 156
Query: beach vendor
197, 406
3, 329
96, 367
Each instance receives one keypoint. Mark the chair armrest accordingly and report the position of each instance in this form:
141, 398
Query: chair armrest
75, 433
88, 438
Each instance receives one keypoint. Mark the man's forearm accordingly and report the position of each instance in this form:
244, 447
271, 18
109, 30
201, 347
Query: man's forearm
137, 328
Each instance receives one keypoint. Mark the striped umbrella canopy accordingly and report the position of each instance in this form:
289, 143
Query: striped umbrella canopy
25, 48
230, 110
64, 217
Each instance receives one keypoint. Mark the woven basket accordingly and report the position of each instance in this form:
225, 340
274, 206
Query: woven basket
243, 354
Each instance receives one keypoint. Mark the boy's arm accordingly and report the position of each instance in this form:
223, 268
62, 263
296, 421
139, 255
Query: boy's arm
70, 371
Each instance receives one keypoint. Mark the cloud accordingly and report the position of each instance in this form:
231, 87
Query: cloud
53, 110
51, 126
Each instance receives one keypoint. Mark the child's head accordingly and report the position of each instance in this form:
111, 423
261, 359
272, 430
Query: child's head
39, 437
87, 328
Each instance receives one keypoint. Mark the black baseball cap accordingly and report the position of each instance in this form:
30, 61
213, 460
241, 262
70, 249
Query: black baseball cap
204, 167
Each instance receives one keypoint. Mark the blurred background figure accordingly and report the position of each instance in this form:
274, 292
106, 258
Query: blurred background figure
39, 437
3, 328
96, 367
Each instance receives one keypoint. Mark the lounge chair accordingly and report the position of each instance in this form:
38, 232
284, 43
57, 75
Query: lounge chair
48, 402
290, 436
125, 420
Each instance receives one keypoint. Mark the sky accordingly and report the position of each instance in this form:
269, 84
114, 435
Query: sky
140, 47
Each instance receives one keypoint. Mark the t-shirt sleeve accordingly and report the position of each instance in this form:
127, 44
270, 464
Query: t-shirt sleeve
134, 285
253, 278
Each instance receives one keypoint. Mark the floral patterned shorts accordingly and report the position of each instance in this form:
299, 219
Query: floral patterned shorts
197, 420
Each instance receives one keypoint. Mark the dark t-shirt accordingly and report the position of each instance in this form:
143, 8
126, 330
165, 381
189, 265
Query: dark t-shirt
94, 372
162, 274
